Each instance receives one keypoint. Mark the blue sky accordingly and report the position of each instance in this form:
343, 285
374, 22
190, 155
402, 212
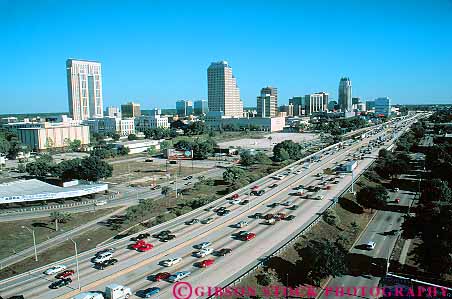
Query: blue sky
156, 52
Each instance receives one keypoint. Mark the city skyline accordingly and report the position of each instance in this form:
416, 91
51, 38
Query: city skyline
381, 59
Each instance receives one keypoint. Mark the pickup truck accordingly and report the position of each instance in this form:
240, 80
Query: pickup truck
112, 291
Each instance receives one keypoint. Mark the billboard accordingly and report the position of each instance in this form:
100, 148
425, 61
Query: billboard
176, 154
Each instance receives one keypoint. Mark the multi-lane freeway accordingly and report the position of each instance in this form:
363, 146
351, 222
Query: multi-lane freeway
136, 269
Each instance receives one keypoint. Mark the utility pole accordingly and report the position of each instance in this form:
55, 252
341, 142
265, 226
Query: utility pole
76, 261
34, 241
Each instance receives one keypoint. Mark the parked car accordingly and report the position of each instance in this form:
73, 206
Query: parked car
65, 274
60, 283
370, 245
103, 265
149, 292
171, 262
55, 269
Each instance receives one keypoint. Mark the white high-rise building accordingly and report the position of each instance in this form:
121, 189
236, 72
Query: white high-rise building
84, 81
345, 94
223, 92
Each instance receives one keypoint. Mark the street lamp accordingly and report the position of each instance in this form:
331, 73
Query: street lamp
76, 262
34, 240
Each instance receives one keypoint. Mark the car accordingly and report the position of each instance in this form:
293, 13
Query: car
268, 216
178, 276
255, 187
397, 200
161, 234
207, 220
193, 221
187, 183
236, 201
167, 238
138, 244
290, 217
206, 263
287, 203
203, 245
171, 262
370, 245
141, 236
65, 274
60, 283
235, 196
145, 247
260, 192
200, 177
273, 205
299, 187
257, 215
396, 189
149, 292
245, 202
105, 264
223, 212
149, 160
204, 252
273, 186
55, 269
248, 236
110, 250
270, 221
161, 276
241, 224
300, 193
100, 203
294, 207
280, 216
224, 251
219, 209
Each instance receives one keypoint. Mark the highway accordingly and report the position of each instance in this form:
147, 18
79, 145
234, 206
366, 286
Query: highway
135, 268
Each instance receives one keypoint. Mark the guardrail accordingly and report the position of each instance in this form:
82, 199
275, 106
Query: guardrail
46, 208
290, 239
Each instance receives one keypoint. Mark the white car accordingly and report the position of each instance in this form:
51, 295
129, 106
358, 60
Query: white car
55, 269
203, 245
204, 252
178, 276
171, 262
236, 201
241, 224
101, 203
287, 203
103, 257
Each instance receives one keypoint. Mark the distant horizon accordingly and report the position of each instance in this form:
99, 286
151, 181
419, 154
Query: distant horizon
157, 52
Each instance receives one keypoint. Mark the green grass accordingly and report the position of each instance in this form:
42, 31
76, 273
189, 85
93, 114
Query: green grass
14, 237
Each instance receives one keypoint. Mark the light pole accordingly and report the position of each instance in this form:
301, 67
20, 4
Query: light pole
34, 241
76, 263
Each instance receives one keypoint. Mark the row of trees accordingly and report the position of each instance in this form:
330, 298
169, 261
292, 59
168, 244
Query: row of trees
247, 158
390, 165
202, 148
90, 168
338, 126
106, 151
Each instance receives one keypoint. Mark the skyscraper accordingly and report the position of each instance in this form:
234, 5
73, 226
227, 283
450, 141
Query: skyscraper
184, 108
267, 102
383, 106
316, 102
84, 82
200, 107
131, 109
223, 92
345, 94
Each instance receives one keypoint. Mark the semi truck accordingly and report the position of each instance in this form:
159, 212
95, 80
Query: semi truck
112, 291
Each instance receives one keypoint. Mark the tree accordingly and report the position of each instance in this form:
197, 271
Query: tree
69, 169
246, 158
42, 167
233, 174
60, 217
132, 137
292, 150
75, 145
122, 150
165, 191
331, 217
262, 158
436, 190
324, 258
92, 168
4, 146
115, 136
281, 155
373, 197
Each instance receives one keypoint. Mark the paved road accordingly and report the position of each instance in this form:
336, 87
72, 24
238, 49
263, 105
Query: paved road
134, 268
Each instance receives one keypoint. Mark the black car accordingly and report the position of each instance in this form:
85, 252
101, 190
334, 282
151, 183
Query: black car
273, 205
142, 236
260, 192
273, 186
220, 209
224, 251
107, 263
193, 221
257, 215
245, 202
167, 238
223, 212
162, 234
290, 217
60, 283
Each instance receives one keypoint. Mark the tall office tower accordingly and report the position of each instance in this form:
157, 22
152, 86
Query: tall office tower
223, 92
130, 109
345, 94
201, 107
112, 111
184, 108
316, 102
267, 102
383, 106
84, 82
298, 104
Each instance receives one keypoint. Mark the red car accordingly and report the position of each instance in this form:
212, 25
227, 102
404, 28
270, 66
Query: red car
255, 188
397, 200
248, 236
206, 263
235, 196
145, 247
138, 244
161, 276
280, 216
65, 274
